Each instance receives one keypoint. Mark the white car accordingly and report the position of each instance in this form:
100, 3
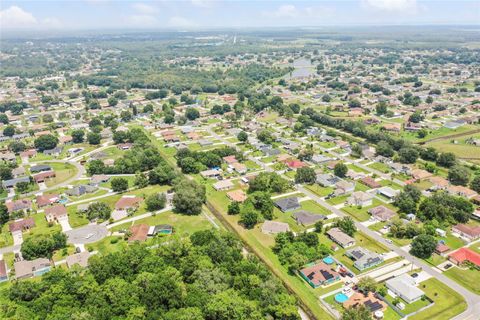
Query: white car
88, 236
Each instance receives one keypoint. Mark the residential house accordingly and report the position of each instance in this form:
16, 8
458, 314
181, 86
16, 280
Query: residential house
287, 204
306, 218
237, 195
212, 173
11, 183
327, 179
223, 185
341, 238
320, 158
139, 232
461, 191
56, 213
361, 199
7, 157
467, 232
381, 213
370, 182
99, 178
19, 172
80, 259
441, 249
81, 190
438, 183
47, 199
239, 167
23, 205
27, 269
364, 258
419, 174
404, 286
274, 227
319, 274
388, 192
465, 254
344, 187
43, 176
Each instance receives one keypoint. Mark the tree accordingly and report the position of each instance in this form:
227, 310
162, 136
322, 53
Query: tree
94, 138
262, 202
442, 206
423, 246
5, 172
242, 136
17, 146
78, 136
98, 210
446, 159
347, 225
357, 313
381, 108
265, 136
429, 154
43, 245
141, 180
4, 215
318, 226
340, 170
415, 117
248, 216
459, 175
407, 155
268, 182
384, 149
126, 116
189, 197
119, 184
234, 208
3, 118
22, 186
192, 114
408, 199
305, 175
9, 131
45, 142
112, 101
156, 201
475, 184
367, 284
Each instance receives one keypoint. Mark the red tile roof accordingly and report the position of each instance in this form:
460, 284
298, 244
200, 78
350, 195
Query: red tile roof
463, 254
127, 202
139, 232
21, 224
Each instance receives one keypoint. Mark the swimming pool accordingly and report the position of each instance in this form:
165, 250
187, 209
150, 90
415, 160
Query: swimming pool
341, 298
328, 260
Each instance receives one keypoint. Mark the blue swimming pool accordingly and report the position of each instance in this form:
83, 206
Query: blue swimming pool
341, 298
328, 260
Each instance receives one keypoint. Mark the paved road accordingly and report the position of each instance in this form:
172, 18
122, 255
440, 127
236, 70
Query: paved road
473, 300
87, 234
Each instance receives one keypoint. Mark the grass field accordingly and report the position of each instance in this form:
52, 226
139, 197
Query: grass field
470, 279
319, 191
448, 303
63, 172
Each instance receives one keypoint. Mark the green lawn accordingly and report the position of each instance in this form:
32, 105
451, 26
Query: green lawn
361, 214
108, 245
318, 190
470, 279
338, 200
448, 303
41, 227
63, 172
356, 168
382, 167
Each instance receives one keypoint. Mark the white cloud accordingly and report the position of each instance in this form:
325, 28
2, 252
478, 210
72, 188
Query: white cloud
181, 22
15, 17
392, 5
286, 11
142, 20
203, 3
143, 8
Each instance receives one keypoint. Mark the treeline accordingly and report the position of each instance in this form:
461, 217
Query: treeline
203, 277
196, 161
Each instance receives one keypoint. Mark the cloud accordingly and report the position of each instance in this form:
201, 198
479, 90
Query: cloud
15, 17
142, 20
181, 22
143, 8
203, 3
392, 5
286, 11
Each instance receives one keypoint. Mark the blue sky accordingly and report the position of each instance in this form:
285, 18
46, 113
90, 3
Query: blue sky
196, 14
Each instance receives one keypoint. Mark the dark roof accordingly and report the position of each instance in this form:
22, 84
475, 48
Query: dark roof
13, 182
286, 204
307, 218
40, 167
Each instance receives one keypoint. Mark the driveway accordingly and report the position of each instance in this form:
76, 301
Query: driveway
17, 239
65, 224
87, 234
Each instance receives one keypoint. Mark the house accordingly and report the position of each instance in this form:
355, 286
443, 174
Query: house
467, 232
237, 195
461, 191
370, 182
3, 271
127, 203
28, 154
230, 159
464, 254
223, 185
11, 183
7, 157
139, 232
205, 142
341, 238
42, 176
27, 269
344, 187
46, 199
363, 258
442, 249
320, 158
454, 124
404, 287
327, 179
239, 167
438, 183
18, 172
80, 190
56, 213
212, 173
78, 258
125, 146
319, 274
18, 205
274, 227
393, 127
269, 151
354, 175
388, 192
419, 174
381, 213
53, 152
99, 178
21, 225
399, 168
306, 218
360, 198
295, 164
287, 204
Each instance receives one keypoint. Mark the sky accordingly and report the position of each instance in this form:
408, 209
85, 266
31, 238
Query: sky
200, 14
